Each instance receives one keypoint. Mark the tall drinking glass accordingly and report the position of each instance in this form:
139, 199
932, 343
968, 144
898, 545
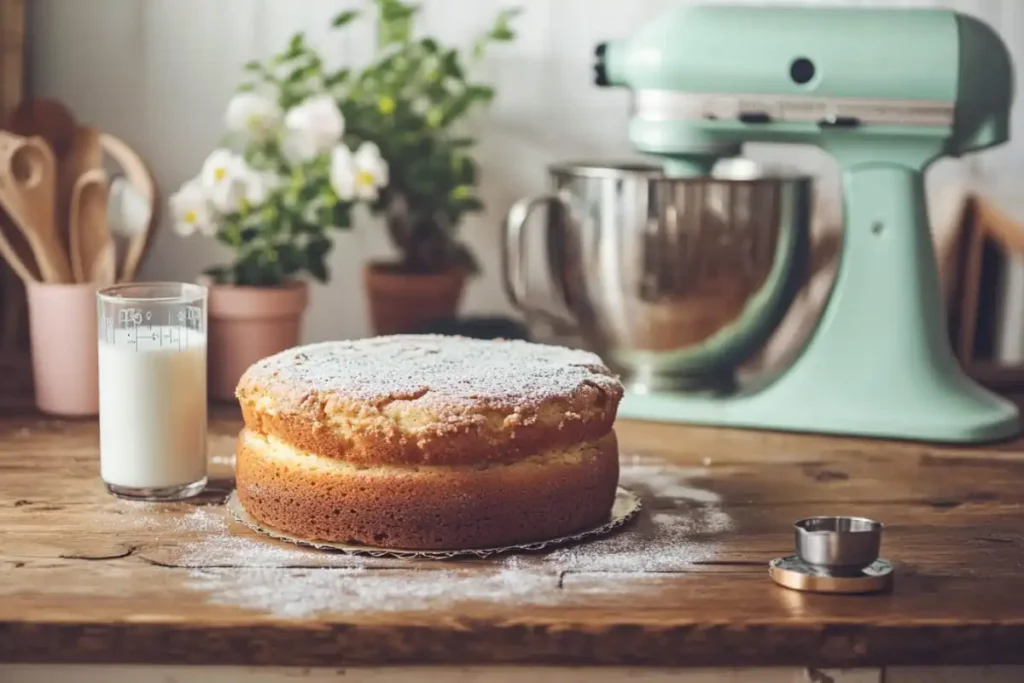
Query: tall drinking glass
152, 370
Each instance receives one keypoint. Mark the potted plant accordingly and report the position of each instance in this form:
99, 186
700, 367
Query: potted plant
274, 193
412, 100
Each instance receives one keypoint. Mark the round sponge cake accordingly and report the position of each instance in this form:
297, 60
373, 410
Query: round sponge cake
428, 442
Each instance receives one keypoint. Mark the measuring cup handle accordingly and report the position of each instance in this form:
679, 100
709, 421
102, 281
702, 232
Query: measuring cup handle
514, 258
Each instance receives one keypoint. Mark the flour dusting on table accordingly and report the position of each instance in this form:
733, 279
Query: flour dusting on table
680, 525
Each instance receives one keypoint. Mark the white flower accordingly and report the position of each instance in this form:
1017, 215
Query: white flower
359, 175
252, 114
313, 127
191, 210
259, 185
224, 179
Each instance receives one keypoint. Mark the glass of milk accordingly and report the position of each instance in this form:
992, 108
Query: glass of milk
152, 346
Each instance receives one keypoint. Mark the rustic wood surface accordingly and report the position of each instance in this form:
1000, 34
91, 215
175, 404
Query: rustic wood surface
87, 578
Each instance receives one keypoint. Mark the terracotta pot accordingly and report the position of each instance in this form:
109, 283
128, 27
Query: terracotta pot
247, 324
65, 352
402, 302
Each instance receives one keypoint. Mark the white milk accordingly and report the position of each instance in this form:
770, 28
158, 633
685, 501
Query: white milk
153, 408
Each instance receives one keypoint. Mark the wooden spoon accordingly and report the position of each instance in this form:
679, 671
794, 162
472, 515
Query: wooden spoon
93, 258
47, 118
27, 193
143, 183
16, 251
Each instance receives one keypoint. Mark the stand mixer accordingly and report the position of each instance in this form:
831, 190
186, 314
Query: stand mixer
886, 92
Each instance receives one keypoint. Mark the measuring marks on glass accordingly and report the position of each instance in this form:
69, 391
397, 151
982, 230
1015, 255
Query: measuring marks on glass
142, 330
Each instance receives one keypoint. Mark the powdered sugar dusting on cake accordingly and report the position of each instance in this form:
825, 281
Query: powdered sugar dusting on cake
435, 368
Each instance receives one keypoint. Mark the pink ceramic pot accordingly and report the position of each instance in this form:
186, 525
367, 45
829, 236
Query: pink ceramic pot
247, 324
63, 332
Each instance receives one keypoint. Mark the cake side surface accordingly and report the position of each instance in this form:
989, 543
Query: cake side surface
554, 493
424, 399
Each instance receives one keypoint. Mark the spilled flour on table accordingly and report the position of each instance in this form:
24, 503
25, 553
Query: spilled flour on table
218, 541
680, 525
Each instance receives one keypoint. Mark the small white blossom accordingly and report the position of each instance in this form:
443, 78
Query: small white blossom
259, 185
252, 114
359, 175
191, 210
313, 127
224, 179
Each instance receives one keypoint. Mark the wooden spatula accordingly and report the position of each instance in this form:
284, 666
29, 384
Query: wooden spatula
85, 154
27, 193
93, 258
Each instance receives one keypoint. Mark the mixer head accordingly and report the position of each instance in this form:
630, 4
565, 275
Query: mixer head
706, 79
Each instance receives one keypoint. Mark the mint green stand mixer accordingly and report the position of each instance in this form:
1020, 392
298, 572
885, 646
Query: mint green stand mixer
886, 92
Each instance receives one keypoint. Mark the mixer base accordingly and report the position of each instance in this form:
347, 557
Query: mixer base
830, 412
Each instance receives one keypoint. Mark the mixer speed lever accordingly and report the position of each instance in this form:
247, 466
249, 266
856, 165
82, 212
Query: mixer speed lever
755, 117
839, 122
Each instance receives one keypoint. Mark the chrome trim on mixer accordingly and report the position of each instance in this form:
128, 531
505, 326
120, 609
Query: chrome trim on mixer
614, 169
733, 169
668, 105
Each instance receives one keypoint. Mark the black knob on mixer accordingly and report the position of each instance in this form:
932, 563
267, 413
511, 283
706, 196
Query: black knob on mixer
600, 74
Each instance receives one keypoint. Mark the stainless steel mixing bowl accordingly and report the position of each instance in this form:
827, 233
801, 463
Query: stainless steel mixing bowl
674, 282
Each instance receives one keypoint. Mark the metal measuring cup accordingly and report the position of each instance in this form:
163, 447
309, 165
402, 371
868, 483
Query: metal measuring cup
835, 555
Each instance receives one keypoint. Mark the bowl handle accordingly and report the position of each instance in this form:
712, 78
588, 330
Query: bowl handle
513, 262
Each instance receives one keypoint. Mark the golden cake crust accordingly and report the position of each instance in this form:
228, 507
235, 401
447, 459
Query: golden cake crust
424, 399
552, 494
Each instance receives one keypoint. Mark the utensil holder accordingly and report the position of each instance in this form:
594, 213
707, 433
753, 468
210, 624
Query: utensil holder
63, 338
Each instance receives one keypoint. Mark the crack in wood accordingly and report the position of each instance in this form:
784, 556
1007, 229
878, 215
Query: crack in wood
173, 565
126, 552
994, 539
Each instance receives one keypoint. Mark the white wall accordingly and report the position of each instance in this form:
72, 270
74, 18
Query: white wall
158, 73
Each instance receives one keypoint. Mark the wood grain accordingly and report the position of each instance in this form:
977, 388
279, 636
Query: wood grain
87, 578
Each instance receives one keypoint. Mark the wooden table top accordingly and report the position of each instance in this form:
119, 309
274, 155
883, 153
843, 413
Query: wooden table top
88, 578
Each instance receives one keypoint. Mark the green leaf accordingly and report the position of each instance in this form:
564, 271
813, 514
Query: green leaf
296, 46
316, 253
337, 78
502, 30
344, 18
220, 274
450, 65
290, 257
396, 9
394, 25
464, 170
503, 33
483, 93
254, 66
469, 204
